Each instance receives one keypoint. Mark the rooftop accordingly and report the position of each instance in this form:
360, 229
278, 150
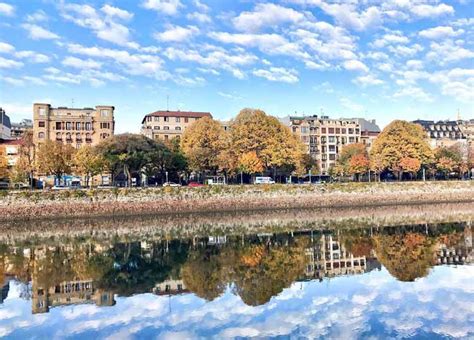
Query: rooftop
183, 114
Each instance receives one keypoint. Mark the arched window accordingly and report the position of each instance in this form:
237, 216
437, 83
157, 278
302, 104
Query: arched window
58, 136
40, 135
78, 137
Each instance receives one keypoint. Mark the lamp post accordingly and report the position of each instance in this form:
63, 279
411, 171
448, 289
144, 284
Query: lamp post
166, 173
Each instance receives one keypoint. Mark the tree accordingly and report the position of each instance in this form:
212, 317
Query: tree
253, 131
353, 160
401, 139
3, 163
202, 143
358, 164
25, 165
55, 158
449, 160
165, 158
88, 162
410, 165
250, 163
127, 153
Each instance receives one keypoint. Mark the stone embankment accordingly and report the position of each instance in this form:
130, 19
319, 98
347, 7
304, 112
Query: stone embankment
122, 202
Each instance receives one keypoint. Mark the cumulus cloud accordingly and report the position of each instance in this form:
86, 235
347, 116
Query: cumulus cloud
440, 32
266, 15
177, 33
169, 7
278, 74
81, 63
6, 48
6, 9
368, 80
355, 65
36, 32
9, 63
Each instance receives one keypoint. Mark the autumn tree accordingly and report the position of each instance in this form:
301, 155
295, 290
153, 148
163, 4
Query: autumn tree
399, 140
55, 158
449, 159
254, 132
202, 143
250, 163
88, 162
25, 165
3, 163
410, 165
353, 160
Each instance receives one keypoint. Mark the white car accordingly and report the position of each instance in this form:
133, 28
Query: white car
171, 184
263, 180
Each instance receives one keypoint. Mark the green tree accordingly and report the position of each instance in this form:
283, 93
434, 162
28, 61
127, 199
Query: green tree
399, 140
55, 158
353, 160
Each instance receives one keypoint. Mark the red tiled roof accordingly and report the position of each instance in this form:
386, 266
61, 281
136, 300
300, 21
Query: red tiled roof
184, 114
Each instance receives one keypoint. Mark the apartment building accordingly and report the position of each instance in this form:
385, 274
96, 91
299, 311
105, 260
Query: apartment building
165, 125
325, 137
74, 126
18, 129
5, 125
444, 133
11, 149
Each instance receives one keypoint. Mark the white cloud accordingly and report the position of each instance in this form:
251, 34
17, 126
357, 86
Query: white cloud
448, 51
202, 18
266, 15
368, 80
112, 11
6, 48
406, 51
33, 56
6, 9
427, 11
105, 28
414, 92
38, 16
169, 7
13, 81
8, 63
355, 65
392, 38
349, 104
81, 63
278, 74
348, 15
177, 33
36, 32
229, 95
457, 83
440, 32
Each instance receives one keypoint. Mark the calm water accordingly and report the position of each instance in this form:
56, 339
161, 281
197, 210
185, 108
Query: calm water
397, 282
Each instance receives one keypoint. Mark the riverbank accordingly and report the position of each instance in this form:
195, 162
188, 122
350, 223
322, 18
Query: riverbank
122, 202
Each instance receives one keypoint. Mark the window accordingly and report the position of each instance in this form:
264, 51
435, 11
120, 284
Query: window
351, 139
41, 123
58, 136
149, 118
343, 131
332, 139
104, 113
177, 128
304, 130
332, 157
338, 130
186, 119
166, 119
323, 130
42, 111
78, 126
166, 127
323, 139
351, 131
68, 125
41, 135
88, 137
105, 125
88, 126
156, 128
157, 119
166, 137
58, 126
332, 148
78, 137
331, 130
178, 119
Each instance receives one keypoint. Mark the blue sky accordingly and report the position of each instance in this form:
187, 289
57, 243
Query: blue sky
389, 59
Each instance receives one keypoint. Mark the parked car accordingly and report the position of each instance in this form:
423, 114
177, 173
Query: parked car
21, 186
195, 184
263, 180
4, 185
60, 187
171, 184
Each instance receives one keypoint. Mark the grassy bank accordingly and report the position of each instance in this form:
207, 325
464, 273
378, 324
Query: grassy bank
116, 202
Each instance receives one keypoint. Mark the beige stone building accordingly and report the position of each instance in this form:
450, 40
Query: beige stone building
165, 125
325, 137
74, 126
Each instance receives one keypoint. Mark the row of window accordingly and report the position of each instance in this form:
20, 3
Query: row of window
103, 113
166, 119
177, 128
324, 130
78, 126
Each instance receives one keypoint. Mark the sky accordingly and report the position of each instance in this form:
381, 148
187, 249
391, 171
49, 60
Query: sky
372, 305
383, 60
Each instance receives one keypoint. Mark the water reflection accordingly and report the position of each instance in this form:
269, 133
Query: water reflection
253, 267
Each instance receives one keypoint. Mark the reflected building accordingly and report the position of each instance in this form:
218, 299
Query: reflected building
459, 254
69, 293
328, 258
170, 287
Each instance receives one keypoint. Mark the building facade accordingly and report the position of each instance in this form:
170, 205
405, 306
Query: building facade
444, 133
18, 129
5, 125
325, 137
165, 125
11, 149
77, 127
